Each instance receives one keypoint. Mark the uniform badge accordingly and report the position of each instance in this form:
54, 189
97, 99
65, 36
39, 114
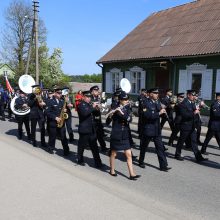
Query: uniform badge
144, 110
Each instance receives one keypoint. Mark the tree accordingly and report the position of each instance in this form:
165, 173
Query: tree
17, 34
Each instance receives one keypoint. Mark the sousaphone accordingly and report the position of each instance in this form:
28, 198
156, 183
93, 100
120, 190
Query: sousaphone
25, 83
125, 85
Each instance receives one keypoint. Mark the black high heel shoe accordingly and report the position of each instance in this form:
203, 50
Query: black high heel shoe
134, 177
113, 174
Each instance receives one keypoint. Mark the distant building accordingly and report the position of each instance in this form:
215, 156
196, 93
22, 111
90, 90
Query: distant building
76, 86
176, 48
5, 69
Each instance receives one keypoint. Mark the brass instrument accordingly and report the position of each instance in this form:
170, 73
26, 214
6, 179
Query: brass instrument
25, 83
173, 101
199, 105
63, 115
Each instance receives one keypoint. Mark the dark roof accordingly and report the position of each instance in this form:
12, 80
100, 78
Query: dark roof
187, 30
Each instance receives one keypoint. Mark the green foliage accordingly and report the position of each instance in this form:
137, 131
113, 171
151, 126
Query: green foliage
94, 78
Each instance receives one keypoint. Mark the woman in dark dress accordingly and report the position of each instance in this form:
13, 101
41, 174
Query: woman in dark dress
121, 117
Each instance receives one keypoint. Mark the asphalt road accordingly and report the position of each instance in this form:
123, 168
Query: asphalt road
37, 185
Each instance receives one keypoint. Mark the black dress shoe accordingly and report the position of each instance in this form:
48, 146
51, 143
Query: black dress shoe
49, 150
165, 169
201, 159
99, 166
44, 145
113, 174
134, 177
34, 143
142, 165
204, 152
179, 158
81, 163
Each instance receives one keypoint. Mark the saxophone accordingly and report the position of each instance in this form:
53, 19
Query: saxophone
63, 115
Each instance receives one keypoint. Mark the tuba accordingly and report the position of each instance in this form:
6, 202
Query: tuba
25, 84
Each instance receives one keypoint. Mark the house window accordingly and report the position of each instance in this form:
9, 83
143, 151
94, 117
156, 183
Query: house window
115, 81
5, 73
135, 82
197, 82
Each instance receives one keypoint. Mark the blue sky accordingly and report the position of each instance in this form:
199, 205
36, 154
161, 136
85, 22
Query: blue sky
87, 29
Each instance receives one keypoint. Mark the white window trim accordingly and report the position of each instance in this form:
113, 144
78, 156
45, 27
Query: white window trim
143, 76
198, 68
109, 79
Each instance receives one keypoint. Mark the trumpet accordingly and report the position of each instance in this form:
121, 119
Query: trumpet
201, 104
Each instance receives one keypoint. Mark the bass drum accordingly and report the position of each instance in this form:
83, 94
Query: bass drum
18, 111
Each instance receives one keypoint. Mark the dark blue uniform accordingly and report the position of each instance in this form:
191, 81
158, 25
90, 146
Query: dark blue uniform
120, 134
19, 102
152, 131
187, 129
141, 100
87, 133
54, 110
68, 123
213, 126
36, 116
169, 116
98, 125
177, 121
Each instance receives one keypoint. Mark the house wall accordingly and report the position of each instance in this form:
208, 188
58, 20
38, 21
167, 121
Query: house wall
174, 67
10, 72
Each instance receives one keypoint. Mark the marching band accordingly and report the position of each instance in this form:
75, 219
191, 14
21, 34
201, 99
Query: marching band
52, 108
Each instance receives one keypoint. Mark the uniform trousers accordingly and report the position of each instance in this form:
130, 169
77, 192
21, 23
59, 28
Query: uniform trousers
41, 125
209, 136
53, 131
2, 110
170, 121
23, 119
68, 123
192, 136
159, 149
100, 134
88, 140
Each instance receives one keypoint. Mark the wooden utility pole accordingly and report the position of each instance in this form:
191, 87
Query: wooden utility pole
36, 6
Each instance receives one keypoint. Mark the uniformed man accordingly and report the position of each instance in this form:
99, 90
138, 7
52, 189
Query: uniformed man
152, 129
22, 103
166, 101
214, 124
188, 111
68, 122
177, 120
47, 100
55, 107
87, 130
141, 99
198, 121
37, 106
97, 117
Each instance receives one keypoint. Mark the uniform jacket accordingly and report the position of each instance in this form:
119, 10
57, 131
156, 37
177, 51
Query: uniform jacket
151, 118
214, 121
96, 112
86, 121
167, 102
186, 110
120, 124
54, 109
178, 117
19, 103
35, 110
